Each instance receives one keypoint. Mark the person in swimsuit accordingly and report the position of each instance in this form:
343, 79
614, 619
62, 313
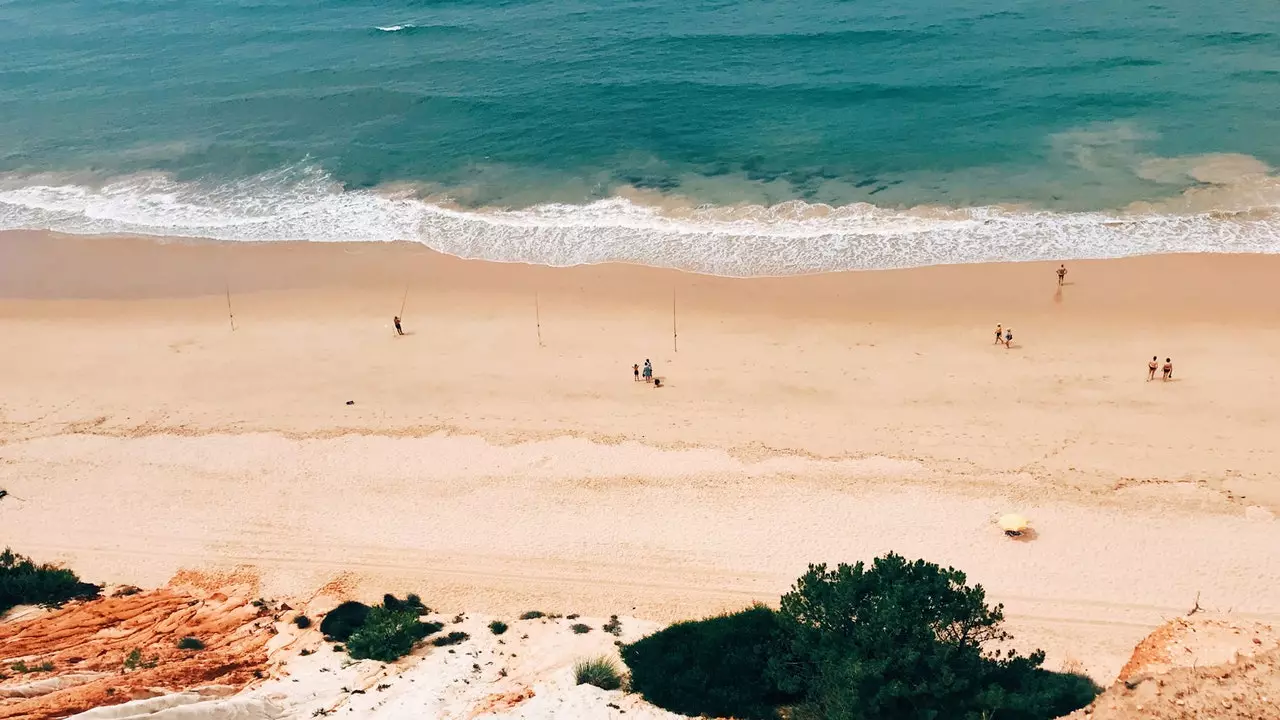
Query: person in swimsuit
396, 320
1151, 368
1168, 369
648, 370
999, 333
1062, 274
1008, 337
636, 369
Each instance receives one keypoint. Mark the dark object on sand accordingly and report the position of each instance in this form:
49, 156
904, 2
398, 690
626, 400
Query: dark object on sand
344, 620
351, 402
657, 382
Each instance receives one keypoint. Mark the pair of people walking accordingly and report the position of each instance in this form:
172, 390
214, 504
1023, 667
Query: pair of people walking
1004, 335
1155, 365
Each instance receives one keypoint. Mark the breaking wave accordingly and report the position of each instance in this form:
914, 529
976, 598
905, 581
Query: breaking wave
303, 203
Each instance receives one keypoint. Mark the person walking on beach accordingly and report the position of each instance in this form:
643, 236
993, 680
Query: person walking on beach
1151, 368
396, 320
1062, 274
999, 333
636, 370
1008, 337
1168, 369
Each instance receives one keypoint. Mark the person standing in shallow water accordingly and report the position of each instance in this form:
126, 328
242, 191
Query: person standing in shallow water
396, 320
1062, 274
1152, 367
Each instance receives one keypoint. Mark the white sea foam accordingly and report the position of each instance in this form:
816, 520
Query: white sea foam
393, 28
792, 238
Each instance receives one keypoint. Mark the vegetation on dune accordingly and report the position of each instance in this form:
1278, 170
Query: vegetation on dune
190, 643
497, 627
23, 582
717, 667
533, 615
302, 621
452, 638
601, 672
580, 628
388, 634
905, 639
893, 640
344, 620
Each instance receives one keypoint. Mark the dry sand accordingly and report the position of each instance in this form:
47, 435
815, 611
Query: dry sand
825, 418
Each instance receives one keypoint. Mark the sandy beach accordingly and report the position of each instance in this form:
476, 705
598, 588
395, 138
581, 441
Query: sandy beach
500, 457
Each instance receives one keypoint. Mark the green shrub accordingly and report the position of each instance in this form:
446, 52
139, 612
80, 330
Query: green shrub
386, 635
533, 615
22, 667
497, 627
905, 640
302, 621
601, 672
452, 638
344, 620
717, 667
581, 629
134, 660
23, 582
190, 643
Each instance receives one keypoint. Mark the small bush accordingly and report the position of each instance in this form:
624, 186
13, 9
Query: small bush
302, 621
126, 591
533, 615
580, 629
190, 643
601, 671
572, 616
23, 667
134, 660
613, 627
411, 602
386, 635
344, 620
23, 582
716, 667
497, 627
452, 638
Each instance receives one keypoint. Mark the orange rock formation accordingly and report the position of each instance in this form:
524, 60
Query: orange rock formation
90, 644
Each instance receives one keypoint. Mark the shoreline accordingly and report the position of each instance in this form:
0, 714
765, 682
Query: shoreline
803, 419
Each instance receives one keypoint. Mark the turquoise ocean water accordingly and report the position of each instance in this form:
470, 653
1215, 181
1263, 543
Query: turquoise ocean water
743, 137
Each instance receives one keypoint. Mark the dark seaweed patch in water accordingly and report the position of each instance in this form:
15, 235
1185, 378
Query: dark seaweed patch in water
662, 183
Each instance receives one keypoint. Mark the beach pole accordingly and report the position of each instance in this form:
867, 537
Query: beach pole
537, 316
230, 315
404, 299
675, 336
